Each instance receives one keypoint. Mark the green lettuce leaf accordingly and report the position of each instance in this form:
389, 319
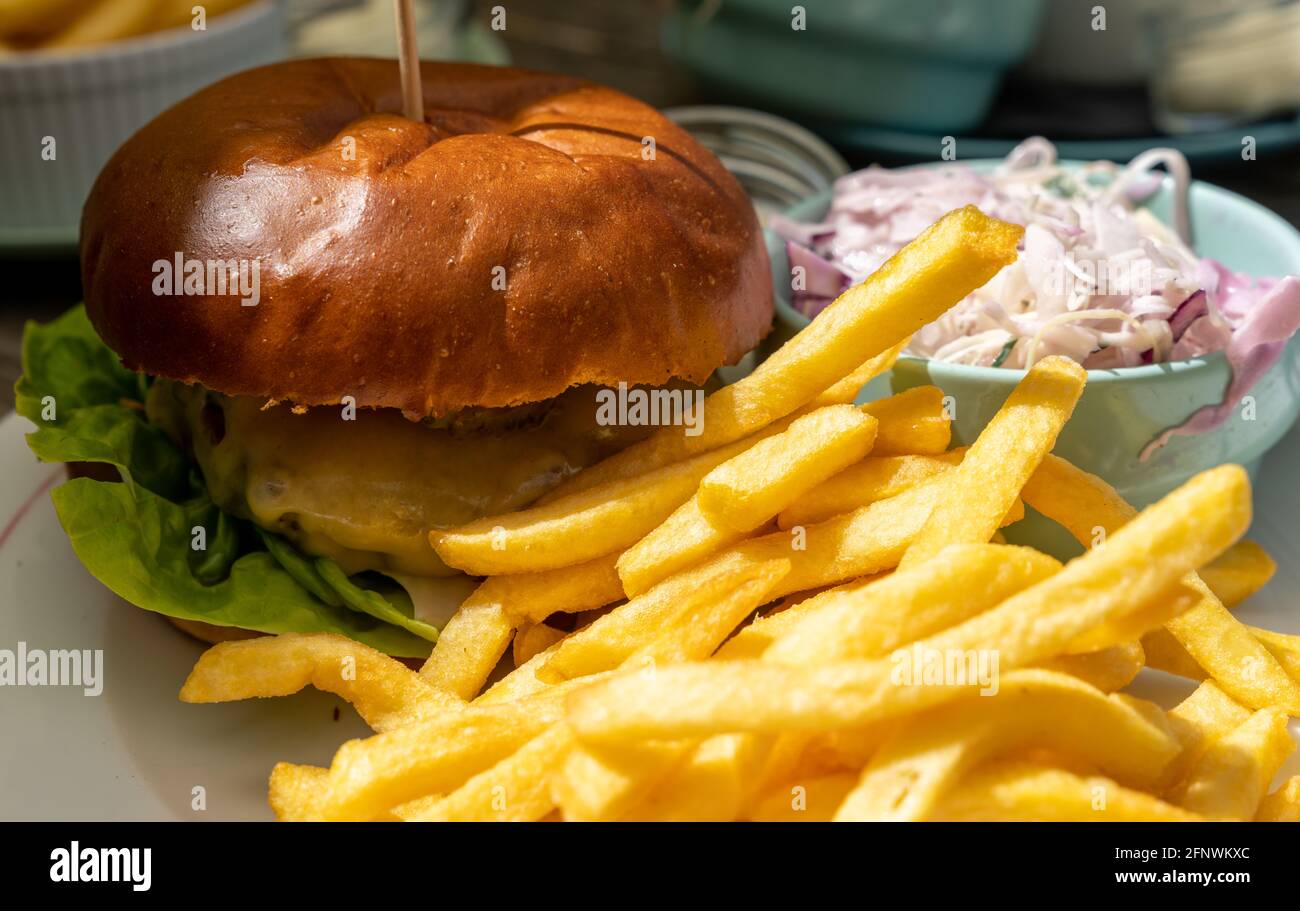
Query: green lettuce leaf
385, 599
137, 537
138, 544
300, 567
372, 602
225, 536
66, 359
122, 437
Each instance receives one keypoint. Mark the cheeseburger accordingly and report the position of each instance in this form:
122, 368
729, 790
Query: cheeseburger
315, 330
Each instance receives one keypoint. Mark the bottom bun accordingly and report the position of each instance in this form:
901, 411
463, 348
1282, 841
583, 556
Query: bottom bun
206, 632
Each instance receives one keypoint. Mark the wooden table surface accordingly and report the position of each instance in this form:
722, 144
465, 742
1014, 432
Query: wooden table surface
616, 43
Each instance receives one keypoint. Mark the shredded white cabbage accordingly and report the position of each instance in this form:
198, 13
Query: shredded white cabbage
1099, 279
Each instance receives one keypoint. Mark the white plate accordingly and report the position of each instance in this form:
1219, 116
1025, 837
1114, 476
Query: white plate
136, 752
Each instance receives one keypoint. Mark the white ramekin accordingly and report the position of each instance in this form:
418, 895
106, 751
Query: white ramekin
90, 101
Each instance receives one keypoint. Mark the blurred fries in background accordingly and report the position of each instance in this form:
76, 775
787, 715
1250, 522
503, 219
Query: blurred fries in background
27, 25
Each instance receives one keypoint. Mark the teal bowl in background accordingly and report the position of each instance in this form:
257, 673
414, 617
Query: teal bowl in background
1121, 410
929, 65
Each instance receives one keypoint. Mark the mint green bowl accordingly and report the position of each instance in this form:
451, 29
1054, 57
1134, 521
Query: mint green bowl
928, 65
1121, 410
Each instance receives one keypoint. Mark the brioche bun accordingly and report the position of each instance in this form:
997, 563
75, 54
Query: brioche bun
377, 270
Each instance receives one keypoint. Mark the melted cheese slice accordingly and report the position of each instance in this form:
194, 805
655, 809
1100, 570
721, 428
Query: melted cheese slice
366, 492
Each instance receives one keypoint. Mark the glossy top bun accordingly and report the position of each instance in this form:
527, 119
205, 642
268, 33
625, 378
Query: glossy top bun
533, 233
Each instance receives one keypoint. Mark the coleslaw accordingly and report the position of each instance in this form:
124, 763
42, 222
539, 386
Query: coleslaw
1099, 278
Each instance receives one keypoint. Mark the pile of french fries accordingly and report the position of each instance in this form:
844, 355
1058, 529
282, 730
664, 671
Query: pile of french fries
27, 25
807, 613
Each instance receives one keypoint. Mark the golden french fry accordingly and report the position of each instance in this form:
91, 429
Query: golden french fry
1108, 669
755, 485
1081, 503
695, 632
531, 640
721, 776
521, 682
683, 540
746, 491
1239, 572
1283, 805
469, 646
1198, 721
914, 421
1144, 560
1019, 791
834, 751
872, 621
515, 789
792, 755
1032, 708
753, 640
874, 478
1092, 511
295, 792
601, 783
951, 258
385, 692
1165, 653
846, 390
30, 22
569, 590
1284, 647
814, 800
791, 600
1208, 713
864, 542
1240, 663
1231, 776
370, 777
413, 810
175, 13
984, 487
1204, 716
609, 641
1150, 618
1014, 514
106, 20
578, 528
